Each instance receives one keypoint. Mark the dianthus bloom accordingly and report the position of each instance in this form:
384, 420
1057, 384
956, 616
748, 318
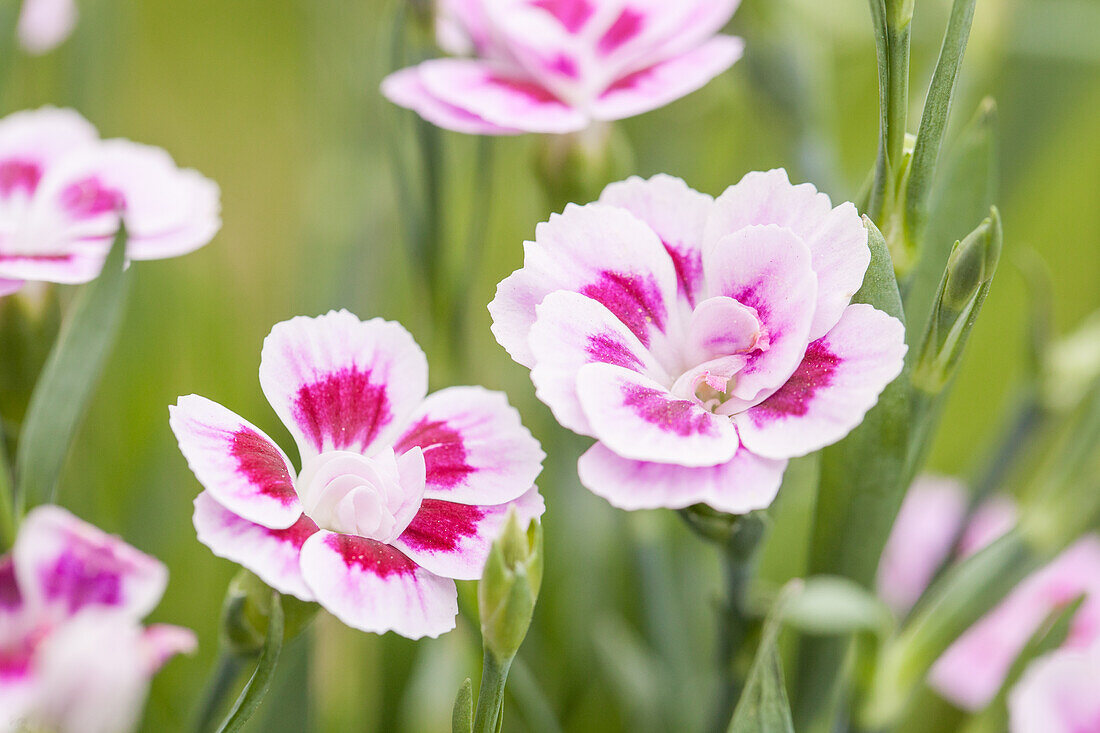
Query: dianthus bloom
63, 190
398, 493
973, 669
1058, 693
45, 24
74, 657
555, 66
702, 342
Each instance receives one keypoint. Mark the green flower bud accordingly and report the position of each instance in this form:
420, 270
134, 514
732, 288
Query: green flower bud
245, 612
509, 588
574, 168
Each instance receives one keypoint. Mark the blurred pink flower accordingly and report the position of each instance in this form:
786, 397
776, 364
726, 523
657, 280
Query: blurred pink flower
74, 657
1058, 693
62, 190
45, 24
702, 342
398, 494
555, 66
973, 669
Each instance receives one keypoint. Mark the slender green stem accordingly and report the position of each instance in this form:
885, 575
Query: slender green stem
226, 672
7, 499
536, 710
490, 696
475, 250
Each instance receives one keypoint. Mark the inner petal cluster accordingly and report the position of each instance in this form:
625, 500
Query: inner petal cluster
720, 335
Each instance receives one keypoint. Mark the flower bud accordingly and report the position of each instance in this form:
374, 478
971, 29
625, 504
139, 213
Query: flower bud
245, 613
575, 167
509, 587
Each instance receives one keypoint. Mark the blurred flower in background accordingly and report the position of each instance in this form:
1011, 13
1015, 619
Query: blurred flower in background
929, 531
74, 657
62, 191
555, 66
398, 493
45, 24
1058, 694
701, 341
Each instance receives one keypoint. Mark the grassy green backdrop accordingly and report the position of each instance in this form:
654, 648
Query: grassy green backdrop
278, 101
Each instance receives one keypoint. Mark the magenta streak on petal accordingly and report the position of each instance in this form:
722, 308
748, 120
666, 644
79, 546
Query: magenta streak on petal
444, 452
689, 269
531, 90
344, 406
661, 409
628, 82
370, 556
750, 296
89, 197
16, 657
815, 371
627, 26
607, 348
566, 66
636, 301
80, 579
440, 526
262, 465
15, 174
572, 14
297, 533
10, 597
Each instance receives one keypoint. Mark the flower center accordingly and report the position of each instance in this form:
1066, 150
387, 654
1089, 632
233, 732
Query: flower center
372, 497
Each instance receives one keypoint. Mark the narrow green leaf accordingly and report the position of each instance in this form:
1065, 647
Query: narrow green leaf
62, 393
462, 715
253, 693
763, 705
877, 192
933, 124
831, 605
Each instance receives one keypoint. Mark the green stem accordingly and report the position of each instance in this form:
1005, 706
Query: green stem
490, 696
536, 710
226, 672
7, 499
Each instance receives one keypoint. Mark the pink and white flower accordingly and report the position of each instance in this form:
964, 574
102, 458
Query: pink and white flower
63, 191
398, 495
74, 656
556, 66
1058, 693
702, 342
45, 24
973, 669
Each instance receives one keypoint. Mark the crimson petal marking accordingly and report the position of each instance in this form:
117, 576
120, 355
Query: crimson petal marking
374, 587
339, 383
236, 462
453, 540
64, 564
272, 554
838, 381
640, 419
743, 484
476, 450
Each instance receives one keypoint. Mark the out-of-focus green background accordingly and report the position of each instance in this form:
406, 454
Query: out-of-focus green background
278, 101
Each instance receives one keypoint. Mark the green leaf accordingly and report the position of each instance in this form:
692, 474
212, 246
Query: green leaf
62, 393
253, 693
933, 124
830, 605
877, 193
763, 705
462, 715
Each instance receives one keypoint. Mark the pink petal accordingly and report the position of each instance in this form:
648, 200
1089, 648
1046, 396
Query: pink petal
374, 587
721, 326
45, 24
405, 88
667, 81
7, 287
920, 540
600, 251
1057, 694
838, 381
339, 383
236, 462
768, 269
63, 268
65, 565
638, 418
31, 141
498, 97
572, 330
678, 214
745, 483
836, 237
476, 450
161, 642
272, 554
972, 670
453, 540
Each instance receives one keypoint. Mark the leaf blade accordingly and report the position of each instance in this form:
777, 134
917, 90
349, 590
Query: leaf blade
256, 688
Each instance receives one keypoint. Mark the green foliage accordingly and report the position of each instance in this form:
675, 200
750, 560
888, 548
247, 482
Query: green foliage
256, 688
763, 705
